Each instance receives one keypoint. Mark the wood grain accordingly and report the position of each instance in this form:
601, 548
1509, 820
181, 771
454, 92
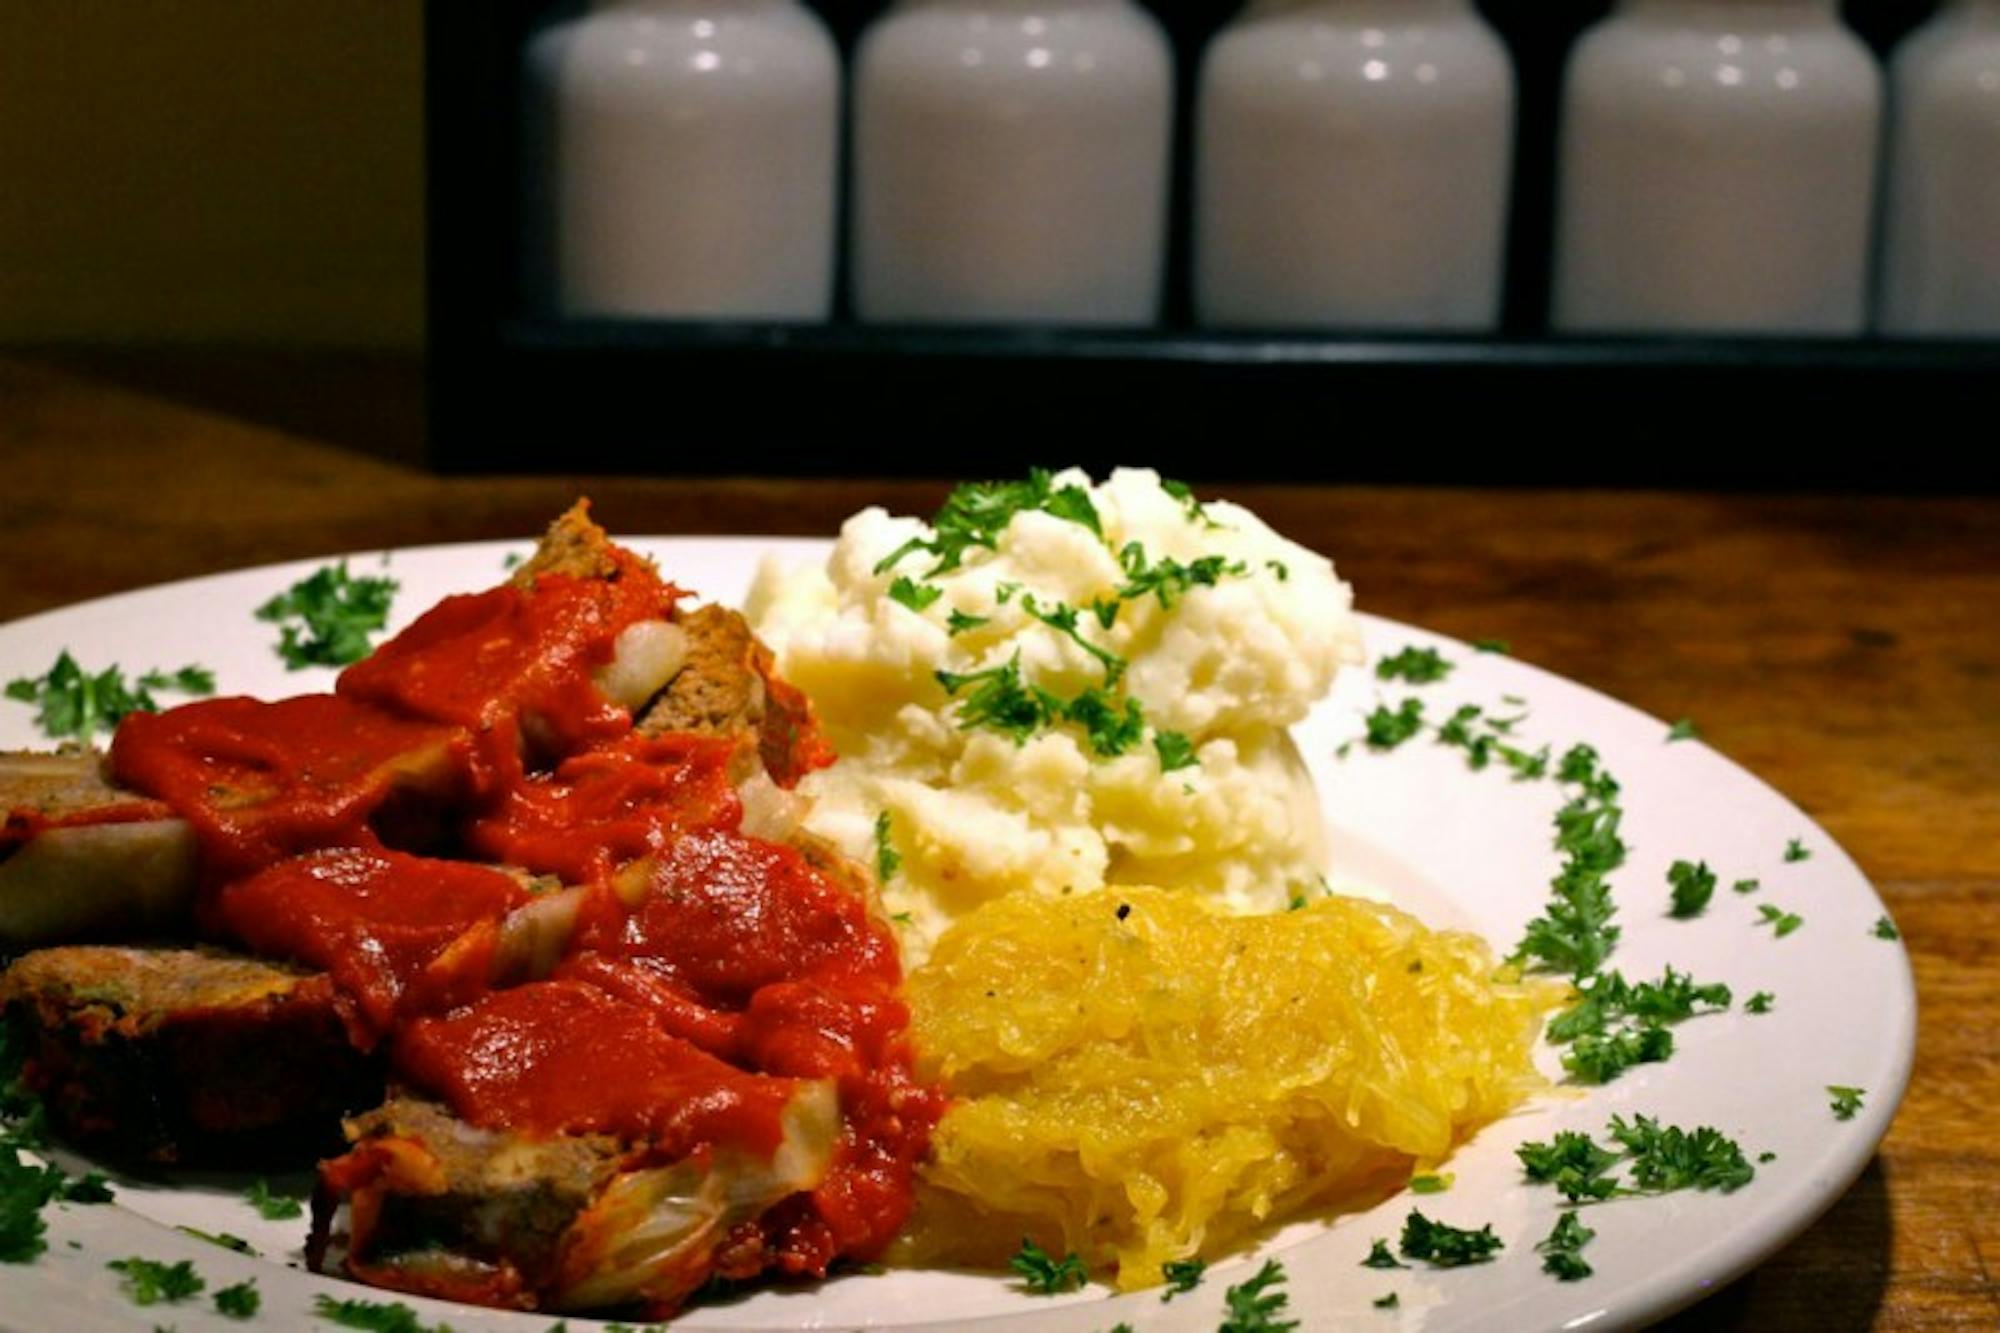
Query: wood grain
1846, 649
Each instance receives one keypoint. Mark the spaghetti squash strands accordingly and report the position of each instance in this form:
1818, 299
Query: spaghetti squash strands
1140, 1079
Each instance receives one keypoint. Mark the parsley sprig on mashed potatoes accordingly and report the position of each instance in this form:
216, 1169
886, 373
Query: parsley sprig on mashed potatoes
1058, 685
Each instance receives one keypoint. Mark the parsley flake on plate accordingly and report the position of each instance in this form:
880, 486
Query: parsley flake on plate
372, 1316
1760, 1003
1796, 850
1388, 1302
328, 617
1254, 1307
1043, 1273
1683, 730
1182, 1275
1885, 929
1782, 923
240, 1301
273, 1207
1693, 884
1379, 1256
74, 704
149, 1281
1497, 646
1430, 1184
1419, 666
1562, 1252
1846, 1101
1444, 1246
1387, 729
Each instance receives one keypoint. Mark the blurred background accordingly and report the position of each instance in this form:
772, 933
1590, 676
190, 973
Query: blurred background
228, 201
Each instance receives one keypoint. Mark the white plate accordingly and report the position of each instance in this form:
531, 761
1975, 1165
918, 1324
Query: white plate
1460, 848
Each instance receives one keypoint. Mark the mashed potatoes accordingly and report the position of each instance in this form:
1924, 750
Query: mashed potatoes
1141, 1080
1207, 635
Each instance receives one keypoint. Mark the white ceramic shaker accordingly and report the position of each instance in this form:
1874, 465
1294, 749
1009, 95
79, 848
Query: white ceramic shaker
1717, 170
1354, 163
1941, 248
691, 150
1010, 162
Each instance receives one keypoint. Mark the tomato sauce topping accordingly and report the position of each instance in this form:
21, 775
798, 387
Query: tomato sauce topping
611, 806
513, 664
562, 1057
400, 934
263, 781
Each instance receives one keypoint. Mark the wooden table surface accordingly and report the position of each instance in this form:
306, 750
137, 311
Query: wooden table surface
1846, 649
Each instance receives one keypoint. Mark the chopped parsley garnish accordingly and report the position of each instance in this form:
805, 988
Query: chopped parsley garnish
1693, 885
71, 703
975, 514
273, 1207
1765, 1157
24, 1190
1500, 646
1658, 1159
1885, 929
1615, 1024
1760, 1003
1746, 886
887, 861
1062, 618
1683, 730
373, 1316
1183, 492
240, 1301
1562, 1252
1176, 751
1846, 1101
1380, 1257
1795, 850
149, 1282
1253, 1307
914, 595
1667, 1158
327, 618
1110, 730
1168, 579
1782, 923
1279, 568
1430, 1184
1443, 1246
999, 701
1387, 730
1573, 1163
1389, 1302
1182, 1275
958, 622
222, 1238
1419, 666
1575, 934
1043, 1273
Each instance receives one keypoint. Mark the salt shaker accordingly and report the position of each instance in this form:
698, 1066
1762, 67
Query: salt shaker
1717, 170
1941, 244
1354, 163
687, 155
1010, 162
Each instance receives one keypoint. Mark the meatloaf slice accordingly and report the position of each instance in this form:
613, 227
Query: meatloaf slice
436, 1206
185, 1055
79, 856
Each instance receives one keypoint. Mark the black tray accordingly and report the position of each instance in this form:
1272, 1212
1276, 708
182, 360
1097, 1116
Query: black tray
514, 390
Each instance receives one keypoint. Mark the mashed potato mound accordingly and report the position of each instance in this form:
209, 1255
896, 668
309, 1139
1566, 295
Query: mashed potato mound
973, 813
1142, 1079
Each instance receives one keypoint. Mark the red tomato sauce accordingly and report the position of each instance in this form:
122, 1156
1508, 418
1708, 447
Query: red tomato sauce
705, 972
397, 933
